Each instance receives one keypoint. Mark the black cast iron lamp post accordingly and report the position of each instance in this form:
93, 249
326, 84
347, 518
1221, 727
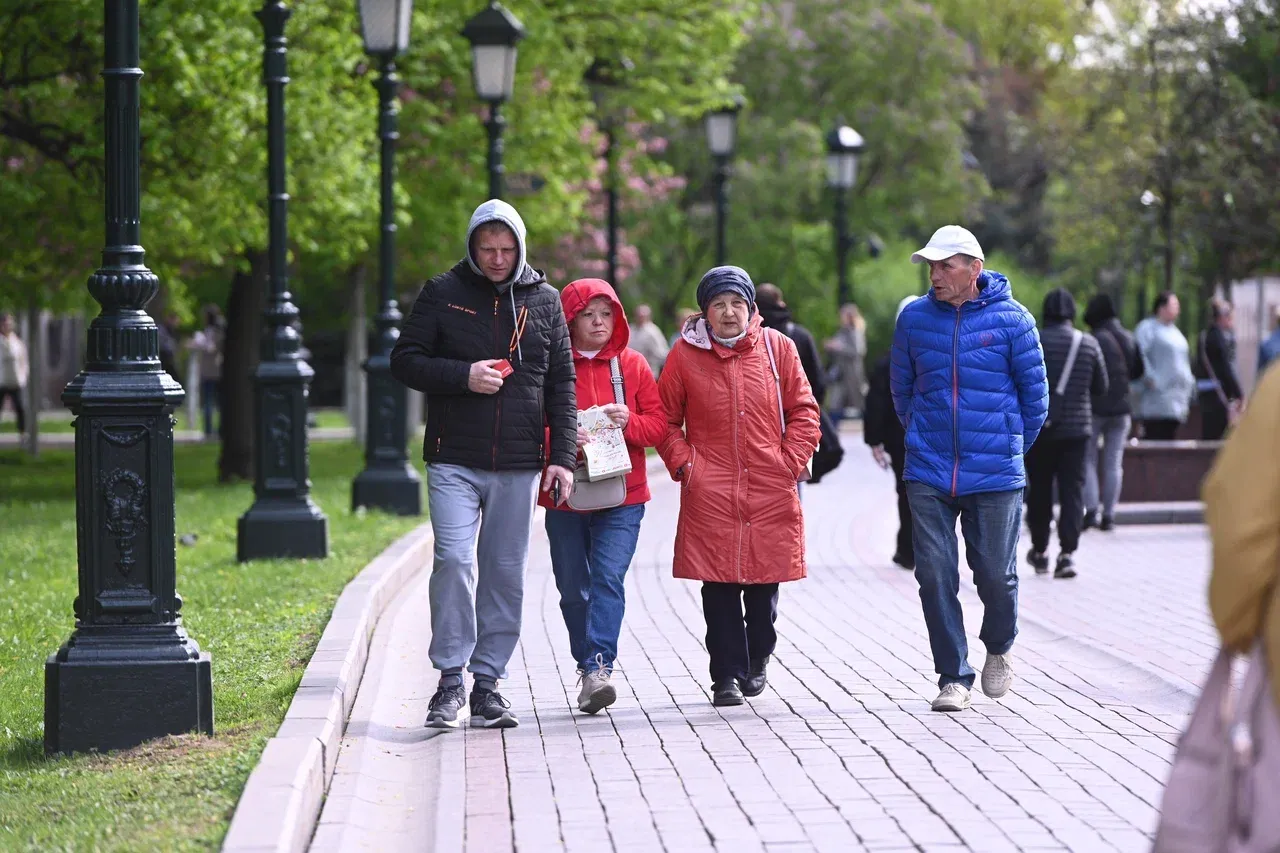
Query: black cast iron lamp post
722, 137
844, 144
283, 521
494, 34
388, 482
603, 79
129, 672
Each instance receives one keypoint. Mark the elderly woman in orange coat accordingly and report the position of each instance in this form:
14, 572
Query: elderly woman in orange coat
742, 426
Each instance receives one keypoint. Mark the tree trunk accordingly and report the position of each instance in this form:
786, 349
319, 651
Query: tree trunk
355, 382
240, 361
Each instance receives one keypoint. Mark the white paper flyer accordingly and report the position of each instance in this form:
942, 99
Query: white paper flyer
606, 450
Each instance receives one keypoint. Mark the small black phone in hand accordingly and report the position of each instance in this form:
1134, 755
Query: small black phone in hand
555, 491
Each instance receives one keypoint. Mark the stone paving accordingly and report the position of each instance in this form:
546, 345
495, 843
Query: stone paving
841, 753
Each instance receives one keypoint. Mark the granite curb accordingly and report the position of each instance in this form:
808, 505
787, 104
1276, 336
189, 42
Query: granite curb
281, 802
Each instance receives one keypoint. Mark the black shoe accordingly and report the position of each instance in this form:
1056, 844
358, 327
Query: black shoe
1039, 560
755, 682
726, 693
490, 711
908, 563
1107, 524
445, 705
1065, 568
1090, 520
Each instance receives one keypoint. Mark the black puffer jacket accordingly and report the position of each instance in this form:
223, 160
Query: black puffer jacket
459, 318
1119, 351
779, 317
1071, 413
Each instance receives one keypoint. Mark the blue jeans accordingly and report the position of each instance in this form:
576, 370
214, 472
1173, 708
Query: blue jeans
590, 555
990, 522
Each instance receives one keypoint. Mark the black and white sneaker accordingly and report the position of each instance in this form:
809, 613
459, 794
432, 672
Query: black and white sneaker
445, 705
490, 711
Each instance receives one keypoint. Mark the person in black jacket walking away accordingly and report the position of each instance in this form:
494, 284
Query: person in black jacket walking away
1222, 398
488, 344
884, 434
1076, 373
1112, 416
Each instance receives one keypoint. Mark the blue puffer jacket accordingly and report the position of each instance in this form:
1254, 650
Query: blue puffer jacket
969, 387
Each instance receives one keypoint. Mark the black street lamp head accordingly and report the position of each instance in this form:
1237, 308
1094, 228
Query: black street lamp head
844, 144
603, 78
722, 127
493, 34
384, 24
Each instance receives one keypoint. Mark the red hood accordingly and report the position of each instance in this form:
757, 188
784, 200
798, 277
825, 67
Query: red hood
578, 293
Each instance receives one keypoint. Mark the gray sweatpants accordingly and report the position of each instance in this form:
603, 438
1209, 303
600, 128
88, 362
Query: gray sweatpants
475, 616
1104, 467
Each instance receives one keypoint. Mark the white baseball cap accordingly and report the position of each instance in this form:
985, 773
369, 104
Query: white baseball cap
947, 241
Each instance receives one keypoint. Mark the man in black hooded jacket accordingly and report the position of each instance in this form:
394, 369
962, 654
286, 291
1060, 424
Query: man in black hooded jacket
1076, 374
488, 344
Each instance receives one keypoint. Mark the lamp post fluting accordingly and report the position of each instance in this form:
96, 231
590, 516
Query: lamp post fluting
494, 33
844, 144
388, 482
283, 521
722, 132
129, 672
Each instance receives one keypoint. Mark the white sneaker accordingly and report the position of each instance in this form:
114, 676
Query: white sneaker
997, 675
597, 692
954, 697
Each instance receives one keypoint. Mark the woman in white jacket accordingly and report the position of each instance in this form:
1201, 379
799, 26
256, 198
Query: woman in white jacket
13, 368
1162, 397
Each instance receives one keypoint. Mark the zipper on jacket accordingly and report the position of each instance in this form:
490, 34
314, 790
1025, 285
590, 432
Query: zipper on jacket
955, 403
497, 406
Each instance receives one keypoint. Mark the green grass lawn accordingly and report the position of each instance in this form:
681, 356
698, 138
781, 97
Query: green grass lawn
260, 621
60, 421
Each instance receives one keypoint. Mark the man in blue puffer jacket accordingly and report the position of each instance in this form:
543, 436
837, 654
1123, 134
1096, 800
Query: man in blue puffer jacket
968, 380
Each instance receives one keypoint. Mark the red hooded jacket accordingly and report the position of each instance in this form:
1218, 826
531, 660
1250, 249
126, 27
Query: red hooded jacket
648, 423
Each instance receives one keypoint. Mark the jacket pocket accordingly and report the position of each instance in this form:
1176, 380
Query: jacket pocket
436, 428
1013, 424
692, 471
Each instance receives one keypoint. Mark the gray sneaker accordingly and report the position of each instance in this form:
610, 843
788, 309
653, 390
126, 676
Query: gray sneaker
597, 691
954, 697
997, 675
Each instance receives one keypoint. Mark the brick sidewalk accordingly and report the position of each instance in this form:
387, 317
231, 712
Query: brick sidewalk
841, 753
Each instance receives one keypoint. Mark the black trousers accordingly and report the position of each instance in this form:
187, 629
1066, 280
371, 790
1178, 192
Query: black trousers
905, 548
15, 394
1160, 429
1060, 460
735, 638
1213, 418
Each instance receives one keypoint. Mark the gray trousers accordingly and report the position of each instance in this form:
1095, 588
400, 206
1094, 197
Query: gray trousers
475, 615
1104, 466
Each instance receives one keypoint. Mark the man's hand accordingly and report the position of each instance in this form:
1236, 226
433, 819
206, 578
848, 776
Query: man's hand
618, 413
484, 379
882, 458
563, 476
584, 438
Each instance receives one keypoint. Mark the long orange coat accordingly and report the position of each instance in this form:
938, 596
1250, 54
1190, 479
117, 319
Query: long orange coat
740, 518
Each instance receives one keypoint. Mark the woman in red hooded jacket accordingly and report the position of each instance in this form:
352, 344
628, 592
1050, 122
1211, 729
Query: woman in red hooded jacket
742, 424
591, 551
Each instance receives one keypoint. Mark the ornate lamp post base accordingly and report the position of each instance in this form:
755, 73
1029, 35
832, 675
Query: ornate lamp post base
129, 672
113, 689
388, 482
283, 521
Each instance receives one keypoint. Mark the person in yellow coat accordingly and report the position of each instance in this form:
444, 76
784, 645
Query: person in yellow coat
1242, 507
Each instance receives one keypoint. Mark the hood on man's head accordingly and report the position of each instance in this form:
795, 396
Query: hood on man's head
496, 210
578, 294
1059, 305
1100, 310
